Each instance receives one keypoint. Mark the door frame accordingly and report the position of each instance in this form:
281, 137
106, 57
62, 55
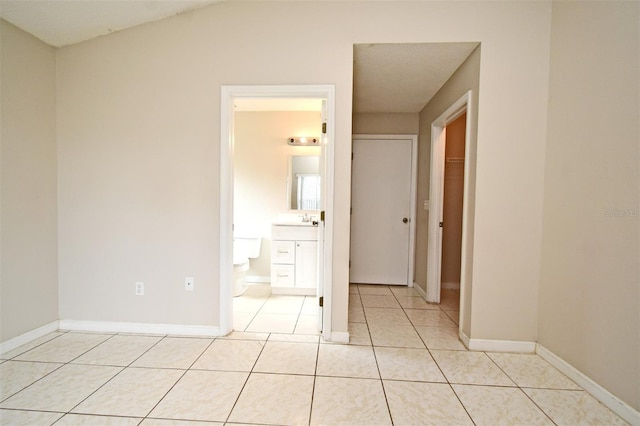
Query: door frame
227, 95
436, 200
413, 191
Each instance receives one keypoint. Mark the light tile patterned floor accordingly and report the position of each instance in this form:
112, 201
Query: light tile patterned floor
404, 366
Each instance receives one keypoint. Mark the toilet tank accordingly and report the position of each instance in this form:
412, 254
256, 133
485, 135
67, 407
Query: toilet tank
247, 244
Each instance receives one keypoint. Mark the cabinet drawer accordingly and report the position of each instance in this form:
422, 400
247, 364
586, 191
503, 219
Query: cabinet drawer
299, 233
283, 252
282, 275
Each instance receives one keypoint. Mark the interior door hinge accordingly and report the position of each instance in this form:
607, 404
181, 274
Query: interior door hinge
441, 224
322, 215
321, 301
324, 128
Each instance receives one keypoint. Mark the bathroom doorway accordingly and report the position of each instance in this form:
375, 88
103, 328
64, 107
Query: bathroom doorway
256, 157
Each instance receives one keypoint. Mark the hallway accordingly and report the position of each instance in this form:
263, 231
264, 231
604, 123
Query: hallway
404, 366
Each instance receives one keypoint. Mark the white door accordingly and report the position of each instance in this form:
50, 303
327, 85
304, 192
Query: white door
381, 201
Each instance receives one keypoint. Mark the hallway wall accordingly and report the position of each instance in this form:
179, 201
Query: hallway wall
589, 311
29, 270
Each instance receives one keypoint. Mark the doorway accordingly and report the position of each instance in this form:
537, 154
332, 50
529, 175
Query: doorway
456, 117
230, 94
383, 209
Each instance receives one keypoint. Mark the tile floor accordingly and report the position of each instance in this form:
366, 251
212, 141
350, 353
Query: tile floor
404, 366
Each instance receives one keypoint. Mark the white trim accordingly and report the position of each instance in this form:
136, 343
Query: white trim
140, 328
490, 345
413, 191
614, 403
29, 336
420, 291
227, 95
339, 337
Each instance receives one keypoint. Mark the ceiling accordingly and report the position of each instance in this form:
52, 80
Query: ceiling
398, 78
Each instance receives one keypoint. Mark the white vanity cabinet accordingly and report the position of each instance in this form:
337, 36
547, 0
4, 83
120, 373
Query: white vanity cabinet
294, 259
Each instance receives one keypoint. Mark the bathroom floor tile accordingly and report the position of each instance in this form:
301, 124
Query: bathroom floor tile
83, 419
347, 361
413, 403
32, 344
134, 392
299, 338
16, 375
202, 395
279, 304
402, 291
307, 324
386, 316
64, 348
63, 389
378, 290
531, 371
288, 358
429, 317
470, 368
310, 306
21, 417
245, 335
273, 323
440, 337
400, 336
376, 301
347, 401
570, 407
230, 355
241, 320
408, 364
492, 405
173, 352
119, 350
290, 394
353, 289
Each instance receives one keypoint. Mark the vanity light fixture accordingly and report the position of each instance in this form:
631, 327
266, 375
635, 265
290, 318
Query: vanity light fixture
303, 140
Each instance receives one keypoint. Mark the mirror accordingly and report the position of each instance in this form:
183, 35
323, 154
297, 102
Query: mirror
303, 182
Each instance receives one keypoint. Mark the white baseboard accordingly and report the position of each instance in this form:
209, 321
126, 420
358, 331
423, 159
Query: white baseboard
515, 346
142, 328
420, 291
339, 337
29, 336
616, 405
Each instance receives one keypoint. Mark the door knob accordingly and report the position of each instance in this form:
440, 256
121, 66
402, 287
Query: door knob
405, 220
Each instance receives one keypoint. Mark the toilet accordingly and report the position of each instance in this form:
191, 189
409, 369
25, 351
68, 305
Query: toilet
245, 247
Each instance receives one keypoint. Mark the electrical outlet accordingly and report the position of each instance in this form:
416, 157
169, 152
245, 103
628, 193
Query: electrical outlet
188, 283
139, 288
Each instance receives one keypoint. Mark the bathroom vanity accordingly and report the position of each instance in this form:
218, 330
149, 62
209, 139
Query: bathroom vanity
294, 259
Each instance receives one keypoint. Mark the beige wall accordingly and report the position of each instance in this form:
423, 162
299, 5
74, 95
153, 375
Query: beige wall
466, 78
29, 277
589, 292
138, 135
386, 124
261, 164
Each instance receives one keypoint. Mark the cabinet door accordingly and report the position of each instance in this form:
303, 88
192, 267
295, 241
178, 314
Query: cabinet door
306, 264
283, 252
282, 275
